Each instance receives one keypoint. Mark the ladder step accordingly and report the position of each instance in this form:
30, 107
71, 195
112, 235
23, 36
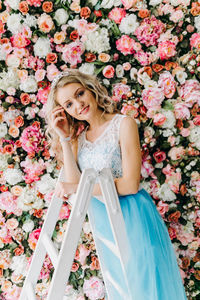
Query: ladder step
116, 286
50, 248
30, 292
109, 244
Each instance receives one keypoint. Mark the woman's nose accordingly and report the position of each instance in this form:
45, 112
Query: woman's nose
79, 106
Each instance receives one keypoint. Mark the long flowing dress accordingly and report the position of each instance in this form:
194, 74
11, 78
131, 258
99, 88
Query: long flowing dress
153, 270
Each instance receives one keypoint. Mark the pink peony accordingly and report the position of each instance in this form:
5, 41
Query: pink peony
176, 16
35, 3
42, 94
162, 208
117, 14
8, 202
167, 83
40, 74
33, 238
147, 167
19, 40
190, 92
64, 212
33, 169
94, 288
152, 97
32, 139
126, 45
149, 31
52, 72
83, 253
72, 53
142, 57
181, 111
195, 41
166, 49
108, 71
120, 89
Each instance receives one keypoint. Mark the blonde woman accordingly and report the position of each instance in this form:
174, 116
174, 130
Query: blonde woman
109, 139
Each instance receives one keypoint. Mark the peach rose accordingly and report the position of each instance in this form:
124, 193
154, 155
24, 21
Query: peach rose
9, 149
85, 12
51, 58
25, 98
108, 71
19, 121
12, 223
59, 37
74, 35
13, 131
23, 7
47, 6
104, 57
90, 57
75, 267
75, 7
143, 13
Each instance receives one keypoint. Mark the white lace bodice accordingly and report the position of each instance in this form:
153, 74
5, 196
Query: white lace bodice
105, 151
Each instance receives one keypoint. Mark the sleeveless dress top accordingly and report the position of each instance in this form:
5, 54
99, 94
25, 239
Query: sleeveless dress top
105, 151
152, 269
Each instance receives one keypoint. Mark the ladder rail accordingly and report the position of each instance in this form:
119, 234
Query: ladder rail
63, 259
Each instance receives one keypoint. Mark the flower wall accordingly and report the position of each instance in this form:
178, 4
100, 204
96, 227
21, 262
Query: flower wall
147, 54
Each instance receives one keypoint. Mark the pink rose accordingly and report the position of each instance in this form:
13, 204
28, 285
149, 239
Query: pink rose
162, 208
52, 72
126, 45
166, 49
152, 97
176, 153
159, 156
40, 74
195, 41
108, 71
94, 288
117, 14
120, 89
19, 40
72, 53
159, 119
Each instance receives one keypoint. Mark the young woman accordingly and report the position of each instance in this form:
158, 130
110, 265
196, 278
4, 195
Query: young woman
109, 139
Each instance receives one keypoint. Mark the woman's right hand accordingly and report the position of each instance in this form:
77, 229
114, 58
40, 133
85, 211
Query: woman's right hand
59, 121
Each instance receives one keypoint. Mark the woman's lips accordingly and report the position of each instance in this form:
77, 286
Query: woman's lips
85, 110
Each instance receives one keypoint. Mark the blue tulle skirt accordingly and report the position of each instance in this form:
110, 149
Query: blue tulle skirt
152, 270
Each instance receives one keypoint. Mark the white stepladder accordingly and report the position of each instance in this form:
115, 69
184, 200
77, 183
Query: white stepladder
62, 260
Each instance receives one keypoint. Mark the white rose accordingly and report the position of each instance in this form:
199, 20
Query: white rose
170, 119
14, 4
197, 23
3, 161
110, 3
181, 76
28, 226
165, 193
129, 24
61, 16
13, 176
194, 136
87, 68
133, 73
46, 184
29, 199
155, 2
119, 71
29, 85
30, 20
14, 23
19, 264
13, 61
98, 41
3, 130
42, 47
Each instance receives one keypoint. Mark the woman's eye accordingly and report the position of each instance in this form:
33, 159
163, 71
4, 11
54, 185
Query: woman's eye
80, 93
68, 105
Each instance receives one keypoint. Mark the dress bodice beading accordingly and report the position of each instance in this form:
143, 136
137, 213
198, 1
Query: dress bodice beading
105, 151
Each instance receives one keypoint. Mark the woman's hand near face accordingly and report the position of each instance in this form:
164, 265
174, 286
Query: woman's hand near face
59, 121
65, 188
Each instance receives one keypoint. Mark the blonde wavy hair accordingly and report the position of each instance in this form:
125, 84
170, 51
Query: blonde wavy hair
89, 82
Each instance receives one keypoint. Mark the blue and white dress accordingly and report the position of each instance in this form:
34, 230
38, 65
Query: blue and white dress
153, 270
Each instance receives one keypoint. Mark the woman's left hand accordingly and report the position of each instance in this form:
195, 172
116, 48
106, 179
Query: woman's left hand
64, 189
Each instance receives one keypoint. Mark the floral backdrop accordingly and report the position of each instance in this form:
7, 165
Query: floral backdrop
147, 54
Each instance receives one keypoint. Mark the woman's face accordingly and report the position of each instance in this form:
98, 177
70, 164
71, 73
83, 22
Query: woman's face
77, 101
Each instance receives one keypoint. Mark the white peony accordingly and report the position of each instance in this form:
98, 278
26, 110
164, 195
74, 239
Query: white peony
3, 130
28, 226
30, 21
14, 23
31, 111
13, 61
87, 68
9, 79
29, 199
3, 161
197, 23
194, 136
42, 47
110, 3
98, 41
19, 264
10, 115
61, 16
14, 4
29, 85
170, 119
129, 24
93, 2
155, 2
13, 176
165, 193
46, 184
